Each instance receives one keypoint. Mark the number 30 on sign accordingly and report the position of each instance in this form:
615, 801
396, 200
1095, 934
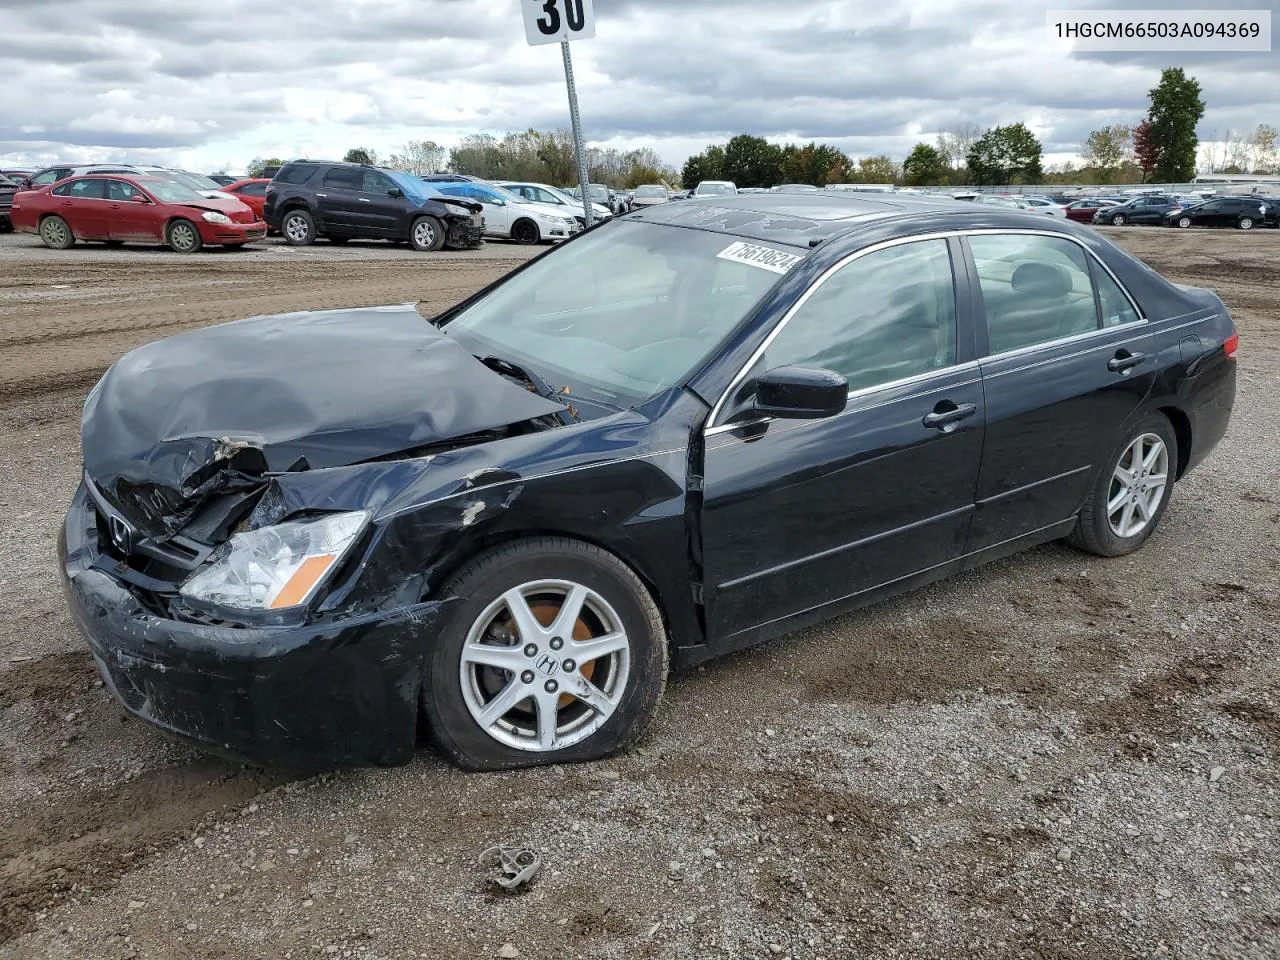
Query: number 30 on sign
553, 21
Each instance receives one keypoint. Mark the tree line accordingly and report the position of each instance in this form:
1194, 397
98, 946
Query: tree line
1162, 147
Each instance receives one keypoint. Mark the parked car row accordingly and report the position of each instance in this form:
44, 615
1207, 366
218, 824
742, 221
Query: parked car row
1244, 213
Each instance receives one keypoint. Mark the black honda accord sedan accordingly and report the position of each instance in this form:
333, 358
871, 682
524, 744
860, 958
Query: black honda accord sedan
301, 538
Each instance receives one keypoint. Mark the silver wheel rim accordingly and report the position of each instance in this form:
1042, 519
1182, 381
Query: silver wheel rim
1246, 224
545, 665
54, 232
182, 237
1137, 486
1184, 222
424, 234
295, 228
1118, 221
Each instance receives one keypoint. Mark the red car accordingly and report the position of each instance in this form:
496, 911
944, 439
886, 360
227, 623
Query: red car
1082, 211
120, 208
251, 192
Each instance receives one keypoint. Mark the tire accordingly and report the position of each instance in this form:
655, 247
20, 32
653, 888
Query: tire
1097, 531
457, 689
426, 234
1246, 223
297, 228
183, 236
1184, 222
1118, 220
525, 231
56, 233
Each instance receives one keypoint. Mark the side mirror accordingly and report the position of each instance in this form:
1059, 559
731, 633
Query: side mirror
395, 192
800, 393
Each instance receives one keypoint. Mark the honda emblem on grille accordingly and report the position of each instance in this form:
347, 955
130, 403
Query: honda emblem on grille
121, 534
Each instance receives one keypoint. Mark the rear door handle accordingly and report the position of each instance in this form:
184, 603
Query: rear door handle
946, 415
1124, 361
365, 200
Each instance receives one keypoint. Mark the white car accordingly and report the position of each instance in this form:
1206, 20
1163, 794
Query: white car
715, 188
507, 214
1045, 205
550, 196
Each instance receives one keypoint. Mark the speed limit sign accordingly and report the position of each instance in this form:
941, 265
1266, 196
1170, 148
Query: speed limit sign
555, 21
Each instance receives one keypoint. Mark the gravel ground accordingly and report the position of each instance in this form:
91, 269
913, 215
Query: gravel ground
1053, 757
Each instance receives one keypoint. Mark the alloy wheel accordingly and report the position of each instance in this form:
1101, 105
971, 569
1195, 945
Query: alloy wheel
545, 665
1246, 223
296, 229
424, 234
1184, 222
1118, 221
1138, 486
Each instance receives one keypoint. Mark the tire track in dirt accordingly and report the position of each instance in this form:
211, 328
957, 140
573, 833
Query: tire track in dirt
49, 348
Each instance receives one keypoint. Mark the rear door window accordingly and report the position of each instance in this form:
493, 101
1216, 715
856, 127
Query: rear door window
253, 190
344, 178
295, 174
1035, 289
89, 190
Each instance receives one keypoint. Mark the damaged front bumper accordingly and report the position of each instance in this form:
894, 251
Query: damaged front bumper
464, 233
335, 692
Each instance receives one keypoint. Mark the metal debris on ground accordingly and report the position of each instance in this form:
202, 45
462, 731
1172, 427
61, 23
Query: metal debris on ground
519, 865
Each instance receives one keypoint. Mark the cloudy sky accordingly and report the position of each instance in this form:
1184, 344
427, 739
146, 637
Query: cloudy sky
210, 84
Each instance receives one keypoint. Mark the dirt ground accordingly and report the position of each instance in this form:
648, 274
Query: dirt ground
1054, 757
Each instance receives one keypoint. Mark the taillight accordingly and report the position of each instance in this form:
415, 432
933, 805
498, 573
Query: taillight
1231, 346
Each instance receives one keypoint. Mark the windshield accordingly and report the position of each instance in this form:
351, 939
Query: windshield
170, 191
193, 180
647, 192
619, 315
715, 189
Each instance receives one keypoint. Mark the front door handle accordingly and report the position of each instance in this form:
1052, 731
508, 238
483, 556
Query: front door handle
1124, 361
946, 415
365, 200
322, 196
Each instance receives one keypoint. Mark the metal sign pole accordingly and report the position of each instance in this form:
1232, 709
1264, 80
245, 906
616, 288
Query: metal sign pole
579, 148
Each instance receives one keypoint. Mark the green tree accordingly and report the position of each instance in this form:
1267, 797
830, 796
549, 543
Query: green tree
1262, 149
476, 155
877, 169
707, 165
1008, 154
258, 166
752, 161
1176, 109
925, 166
360, 155
1106, 149
813, 163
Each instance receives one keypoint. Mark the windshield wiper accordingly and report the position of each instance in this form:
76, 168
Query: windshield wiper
540, 386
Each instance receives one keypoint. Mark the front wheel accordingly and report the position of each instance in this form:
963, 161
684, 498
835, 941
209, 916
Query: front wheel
56, 233
1129, 497
1118, 220
183, 237
553, 652
1184, 222
1246, 223
426, 234
525, 231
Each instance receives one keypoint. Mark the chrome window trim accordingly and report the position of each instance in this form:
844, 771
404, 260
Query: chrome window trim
718, 408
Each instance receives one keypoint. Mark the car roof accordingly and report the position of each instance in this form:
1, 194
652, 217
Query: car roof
806, 219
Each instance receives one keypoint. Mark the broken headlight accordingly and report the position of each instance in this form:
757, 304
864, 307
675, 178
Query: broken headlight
275, 568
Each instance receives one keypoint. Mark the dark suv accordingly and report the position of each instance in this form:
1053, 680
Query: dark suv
345, 201
1148, 209
7, 189
1242, 212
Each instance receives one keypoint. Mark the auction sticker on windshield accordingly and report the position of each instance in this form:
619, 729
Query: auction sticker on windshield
766, 258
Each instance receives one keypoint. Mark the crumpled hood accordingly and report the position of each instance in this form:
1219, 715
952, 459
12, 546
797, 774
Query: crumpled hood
206, 412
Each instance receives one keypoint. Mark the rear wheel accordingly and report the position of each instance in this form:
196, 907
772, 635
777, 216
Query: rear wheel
56, 233
1246, 223
554, 652
426, 234
1184, 222
298, 229
183, 237
1129, 498
525, 231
